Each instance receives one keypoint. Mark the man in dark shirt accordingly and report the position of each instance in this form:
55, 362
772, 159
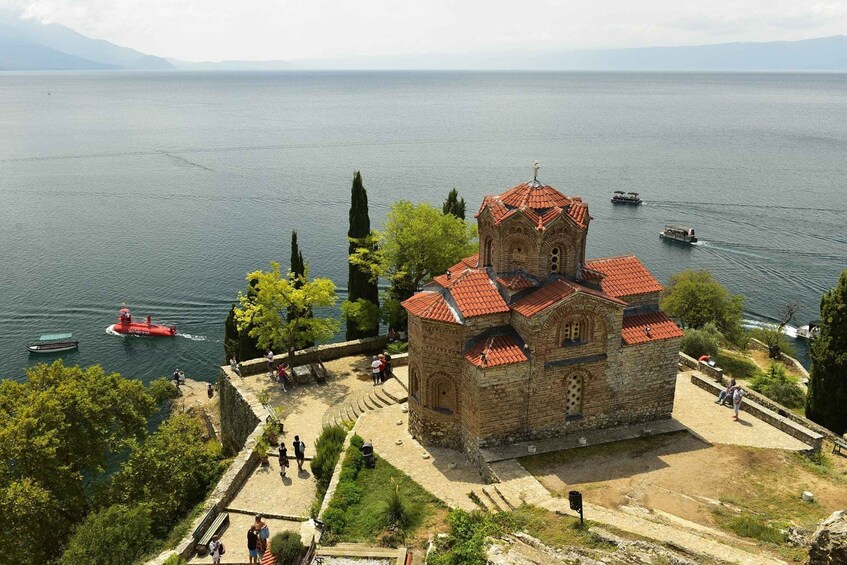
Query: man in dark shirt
252, 545
299, 452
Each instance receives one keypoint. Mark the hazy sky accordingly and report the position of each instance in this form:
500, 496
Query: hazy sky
309, 29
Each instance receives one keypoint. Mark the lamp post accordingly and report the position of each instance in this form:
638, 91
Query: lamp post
575, 500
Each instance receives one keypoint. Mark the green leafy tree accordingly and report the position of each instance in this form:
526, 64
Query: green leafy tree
116, 535
58, 431
171, 471
269, 315
827, 397
362, 315
418, 242
696, 343
778, 386
361, 287
454, 205
695, 298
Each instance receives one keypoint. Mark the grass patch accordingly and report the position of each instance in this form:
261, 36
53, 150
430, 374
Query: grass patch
750, 526
736, 366
557, 531
377, 505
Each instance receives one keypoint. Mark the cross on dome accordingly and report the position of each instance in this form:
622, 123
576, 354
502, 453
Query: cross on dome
535, 166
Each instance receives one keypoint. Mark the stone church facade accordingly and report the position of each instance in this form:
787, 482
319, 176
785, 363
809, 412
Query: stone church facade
529, 339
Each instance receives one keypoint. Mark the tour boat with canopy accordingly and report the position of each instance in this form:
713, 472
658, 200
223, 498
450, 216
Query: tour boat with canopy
53, 343
127, 326
678, 233
622, 197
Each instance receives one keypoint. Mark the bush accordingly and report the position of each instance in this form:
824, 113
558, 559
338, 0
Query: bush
347, 492
701, 342
397, 347
96, 540
779, 387
287, 548
175, 560
327, 450
738, 367
395, 513
162, 389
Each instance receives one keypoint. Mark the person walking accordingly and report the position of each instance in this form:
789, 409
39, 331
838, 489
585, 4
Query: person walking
283, 459
299, 452
269, 355
253, 545
375, 369
216, 549
233, 364
736, 401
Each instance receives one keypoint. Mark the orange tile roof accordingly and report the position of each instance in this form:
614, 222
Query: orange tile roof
533, 194
551, 294
494, 351
476, 295
661, 327
518, 281
624, 276
578, 212
430, 306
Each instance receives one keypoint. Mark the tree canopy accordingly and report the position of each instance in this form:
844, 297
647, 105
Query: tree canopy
695, 298
268, 316
116, 535
362, 290
827, 397
418, 242
454, 205
58, 431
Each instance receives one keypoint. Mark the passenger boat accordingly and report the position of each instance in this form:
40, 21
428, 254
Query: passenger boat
678, 233
810, 331
53, 343
127, 326
621, 197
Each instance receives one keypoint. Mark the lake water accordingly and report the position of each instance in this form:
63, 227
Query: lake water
163, 190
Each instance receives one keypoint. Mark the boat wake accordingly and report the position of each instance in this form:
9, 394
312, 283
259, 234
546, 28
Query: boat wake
111, 330
192, 337
788, 330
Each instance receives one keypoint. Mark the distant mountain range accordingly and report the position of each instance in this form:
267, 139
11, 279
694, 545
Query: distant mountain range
27, 45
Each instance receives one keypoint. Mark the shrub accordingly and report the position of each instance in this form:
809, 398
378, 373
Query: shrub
176, 560
118, 526
701, 342
738, 367
779, 387
395, 512
398, 347
287, 548
346, 493
162, 389
327, 450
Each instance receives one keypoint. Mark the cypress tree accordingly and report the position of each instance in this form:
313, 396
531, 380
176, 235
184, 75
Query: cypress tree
828, 377
359, 284
298, 269
236, 342
454, 205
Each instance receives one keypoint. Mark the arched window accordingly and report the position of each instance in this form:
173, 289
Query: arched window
443, 395
573, 394
517, 255
414, 384
555, 260
488, 257
574, 331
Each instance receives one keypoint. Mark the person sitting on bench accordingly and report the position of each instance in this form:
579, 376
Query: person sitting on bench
726, 395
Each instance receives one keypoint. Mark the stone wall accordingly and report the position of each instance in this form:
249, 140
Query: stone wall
790, 361
238, 419
318, 353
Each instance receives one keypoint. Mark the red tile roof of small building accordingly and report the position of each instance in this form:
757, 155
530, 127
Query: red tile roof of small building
624, 276
499, 350
661, 327
430, 306
539, 202
517, 281
552, 293
476, 295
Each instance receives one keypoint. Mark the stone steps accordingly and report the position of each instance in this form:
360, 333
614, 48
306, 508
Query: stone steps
390, 393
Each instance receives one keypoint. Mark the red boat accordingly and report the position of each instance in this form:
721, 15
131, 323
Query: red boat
126, 326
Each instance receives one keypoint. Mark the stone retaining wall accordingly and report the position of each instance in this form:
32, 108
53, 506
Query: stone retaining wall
757, 405
238, 418
318, 353
714, 372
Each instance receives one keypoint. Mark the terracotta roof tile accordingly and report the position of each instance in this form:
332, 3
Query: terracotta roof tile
534, 195
543, 298
661, 327
552, 293
476, 295
494, 351
624, 276
578, 211
518, 281
430, 306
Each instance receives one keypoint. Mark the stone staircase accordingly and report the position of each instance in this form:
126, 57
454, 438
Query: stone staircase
516, 487
393, 391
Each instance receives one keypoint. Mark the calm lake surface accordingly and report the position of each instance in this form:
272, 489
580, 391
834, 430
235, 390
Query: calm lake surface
163, 190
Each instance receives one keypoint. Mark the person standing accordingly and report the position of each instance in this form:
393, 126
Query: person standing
299, 452
375, 369
210, 391
233, 364
282, 375
176, 379
269, 355
264, 533
388, 372
216, 549
736, 401
253, 545
283, 459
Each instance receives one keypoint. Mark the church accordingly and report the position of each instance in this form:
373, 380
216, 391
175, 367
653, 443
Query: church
529, 339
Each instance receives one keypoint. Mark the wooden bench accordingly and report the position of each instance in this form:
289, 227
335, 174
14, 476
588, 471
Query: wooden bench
217, 525
838, 445
318, 372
